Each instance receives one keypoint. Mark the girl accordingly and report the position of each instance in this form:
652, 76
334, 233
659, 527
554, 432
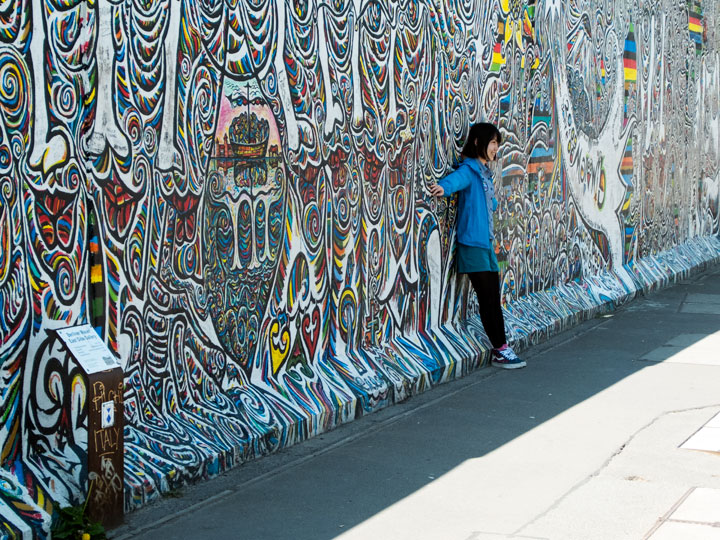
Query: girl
473, 180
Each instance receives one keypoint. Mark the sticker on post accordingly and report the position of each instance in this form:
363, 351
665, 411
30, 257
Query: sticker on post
108, 414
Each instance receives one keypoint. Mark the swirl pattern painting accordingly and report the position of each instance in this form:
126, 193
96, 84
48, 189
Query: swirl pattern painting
234, 194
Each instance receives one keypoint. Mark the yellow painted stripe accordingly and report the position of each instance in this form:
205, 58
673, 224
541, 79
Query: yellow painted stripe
630, 74
695, 28
498, 58
96, 274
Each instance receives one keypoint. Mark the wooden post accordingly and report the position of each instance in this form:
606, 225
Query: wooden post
105, 446
104, 380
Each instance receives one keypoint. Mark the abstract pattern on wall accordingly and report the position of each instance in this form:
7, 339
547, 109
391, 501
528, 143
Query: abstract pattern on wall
234, 194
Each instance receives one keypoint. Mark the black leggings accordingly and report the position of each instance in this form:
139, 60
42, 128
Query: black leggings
487, 288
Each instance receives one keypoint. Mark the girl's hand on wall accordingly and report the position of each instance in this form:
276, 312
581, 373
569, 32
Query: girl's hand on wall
436, 190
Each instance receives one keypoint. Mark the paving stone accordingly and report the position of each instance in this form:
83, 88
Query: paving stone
661, 354
714, 422
686, 340
709, 309
688, 349
700, 298
702, 506
672, 530
707, 438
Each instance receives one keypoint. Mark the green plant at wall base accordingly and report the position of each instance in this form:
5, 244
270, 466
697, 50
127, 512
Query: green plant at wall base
73, 523
175, 493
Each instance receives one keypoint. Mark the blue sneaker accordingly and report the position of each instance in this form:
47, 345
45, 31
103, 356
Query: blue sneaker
506, 358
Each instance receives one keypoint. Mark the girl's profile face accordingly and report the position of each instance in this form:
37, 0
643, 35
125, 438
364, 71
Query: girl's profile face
492, 149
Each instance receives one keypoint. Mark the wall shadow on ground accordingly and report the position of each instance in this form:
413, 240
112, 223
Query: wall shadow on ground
392, 457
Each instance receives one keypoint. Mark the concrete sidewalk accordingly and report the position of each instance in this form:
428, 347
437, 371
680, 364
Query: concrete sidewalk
585, 443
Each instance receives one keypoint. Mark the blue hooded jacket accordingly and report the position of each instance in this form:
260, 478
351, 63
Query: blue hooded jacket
474, 184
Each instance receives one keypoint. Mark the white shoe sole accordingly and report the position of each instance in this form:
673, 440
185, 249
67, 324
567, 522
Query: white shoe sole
509, 366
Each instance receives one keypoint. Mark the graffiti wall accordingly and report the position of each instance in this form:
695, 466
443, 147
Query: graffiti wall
234, 194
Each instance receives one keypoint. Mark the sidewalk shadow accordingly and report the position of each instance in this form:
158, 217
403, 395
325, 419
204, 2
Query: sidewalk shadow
323, 497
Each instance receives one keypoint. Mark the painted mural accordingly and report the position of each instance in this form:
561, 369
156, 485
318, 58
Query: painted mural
234, 194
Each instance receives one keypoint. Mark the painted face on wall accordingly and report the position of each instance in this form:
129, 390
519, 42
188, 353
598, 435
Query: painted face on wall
242, 233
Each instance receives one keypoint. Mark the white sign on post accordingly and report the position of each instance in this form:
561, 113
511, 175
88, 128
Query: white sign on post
107, 417
87, 348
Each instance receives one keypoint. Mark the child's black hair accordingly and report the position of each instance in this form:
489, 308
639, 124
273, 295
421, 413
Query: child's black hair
479, 138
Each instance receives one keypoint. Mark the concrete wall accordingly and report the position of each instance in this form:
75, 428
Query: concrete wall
256, 301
